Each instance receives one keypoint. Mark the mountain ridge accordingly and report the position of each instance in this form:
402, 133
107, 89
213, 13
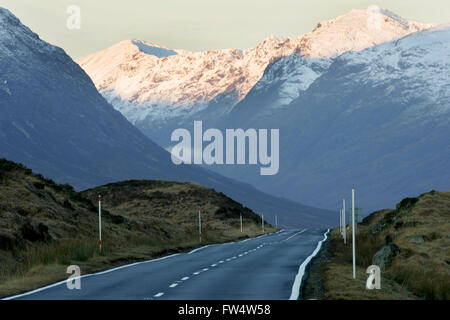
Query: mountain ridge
146, 88
54, 121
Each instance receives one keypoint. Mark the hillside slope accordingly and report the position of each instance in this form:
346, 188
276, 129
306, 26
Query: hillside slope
418, 268
54, 121
377, 119
44, 227
156, 87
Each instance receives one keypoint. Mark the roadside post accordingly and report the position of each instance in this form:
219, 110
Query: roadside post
200, 225
241, 220
353, 233
343, 221
100, 222
262, 221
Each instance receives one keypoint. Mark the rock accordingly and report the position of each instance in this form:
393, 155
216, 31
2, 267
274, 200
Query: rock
34, 231
378, 228
6, 241
417, 238
385, 255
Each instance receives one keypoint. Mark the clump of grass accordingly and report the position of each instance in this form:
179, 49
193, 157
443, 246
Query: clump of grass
423, 280
367, 247
64, 251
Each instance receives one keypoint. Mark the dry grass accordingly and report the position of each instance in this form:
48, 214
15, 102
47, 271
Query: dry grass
45, 227
420, 271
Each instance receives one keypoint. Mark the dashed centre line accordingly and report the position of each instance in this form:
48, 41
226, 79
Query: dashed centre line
173, 285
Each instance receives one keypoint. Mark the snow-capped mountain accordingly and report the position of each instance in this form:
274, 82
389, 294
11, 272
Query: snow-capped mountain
156, 88
55, 122
377, 119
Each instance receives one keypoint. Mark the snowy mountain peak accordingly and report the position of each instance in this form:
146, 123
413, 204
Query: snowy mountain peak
143, 80
357, 30
153, 49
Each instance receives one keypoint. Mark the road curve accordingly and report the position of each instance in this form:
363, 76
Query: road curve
263, 268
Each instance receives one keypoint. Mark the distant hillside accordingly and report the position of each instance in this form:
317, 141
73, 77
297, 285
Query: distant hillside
170, 209
44, 226
410, 244
55, 122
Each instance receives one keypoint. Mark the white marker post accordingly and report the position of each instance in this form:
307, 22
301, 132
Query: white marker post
200, 225
262, 221
345, 225
276, 221
353, 233
100, 222
241, 221
340, 221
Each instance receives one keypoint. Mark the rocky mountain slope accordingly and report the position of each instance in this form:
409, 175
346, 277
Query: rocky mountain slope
54, 121
159, 91
377, 119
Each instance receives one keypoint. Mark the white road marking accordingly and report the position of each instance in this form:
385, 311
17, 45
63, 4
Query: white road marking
173, 285
214, 265
196, 273
206, 269
185, 278
221, 261
301, 270
159, 294
295, 234
86, 276
198, 249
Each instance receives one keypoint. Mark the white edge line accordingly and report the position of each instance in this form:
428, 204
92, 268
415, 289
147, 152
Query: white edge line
301, 270
85, 276
111, 270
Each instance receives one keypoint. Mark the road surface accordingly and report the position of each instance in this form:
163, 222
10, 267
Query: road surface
263, 268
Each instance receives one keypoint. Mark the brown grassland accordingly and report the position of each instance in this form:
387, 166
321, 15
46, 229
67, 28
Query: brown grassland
45, 227
421, 270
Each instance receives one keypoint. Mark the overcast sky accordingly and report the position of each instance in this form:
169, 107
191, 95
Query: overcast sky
196, 24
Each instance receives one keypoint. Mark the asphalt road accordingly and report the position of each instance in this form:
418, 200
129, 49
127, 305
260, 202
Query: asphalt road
260, 268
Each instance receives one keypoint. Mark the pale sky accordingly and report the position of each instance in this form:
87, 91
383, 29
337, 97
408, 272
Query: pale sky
196, 24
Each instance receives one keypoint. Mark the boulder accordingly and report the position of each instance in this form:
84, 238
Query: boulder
385, 255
